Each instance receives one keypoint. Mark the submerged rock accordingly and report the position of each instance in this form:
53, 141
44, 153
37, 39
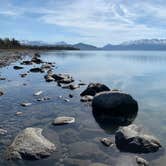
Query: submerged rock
63, 120
71, 86
115, 106
86, 98
2, 78
94, 88
132, 139
17, 67
30, 144
23, 75
141, 162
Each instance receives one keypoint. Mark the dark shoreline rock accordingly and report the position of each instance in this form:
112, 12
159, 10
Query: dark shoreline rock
94, 88
132, 139
17, 67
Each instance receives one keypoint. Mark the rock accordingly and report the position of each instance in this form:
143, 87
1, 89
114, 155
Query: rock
63, 120
27, 63
86, 98
23, 75
26, 104
63, 78
38, 93
94, 88
18, 113
71, 87
67, 100
132, 139
36, 69
47, 66
17, 67
115, 105
30, 144
3, 131
71, 96
2, 78
141, 162
37, 55
81, 84
36, 60
49, 78
1, 93
106, 141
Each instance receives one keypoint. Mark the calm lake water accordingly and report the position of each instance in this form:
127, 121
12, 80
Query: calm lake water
140, 73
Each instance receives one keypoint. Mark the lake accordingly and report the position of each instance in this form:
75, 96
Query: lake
139, 73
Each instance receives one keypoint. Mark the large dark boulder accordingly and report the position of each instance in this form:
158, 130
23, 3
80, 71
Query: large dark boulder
132, 139
114, 103
94, 88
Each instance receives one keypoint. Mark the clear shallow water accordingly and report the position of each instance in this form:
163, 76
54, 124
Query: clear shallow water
140, 73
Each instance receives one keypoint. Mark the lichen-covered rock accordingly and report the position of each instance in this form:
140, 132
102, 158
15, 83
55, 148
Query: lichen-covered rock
132, 139
30, 144
94, 88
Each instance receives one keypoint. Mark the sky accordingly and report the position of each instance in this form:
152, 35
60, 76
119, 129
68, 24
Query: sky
97, 22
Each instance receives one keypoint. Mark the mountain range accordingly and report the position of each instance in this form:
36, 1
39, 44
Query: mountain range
143, 44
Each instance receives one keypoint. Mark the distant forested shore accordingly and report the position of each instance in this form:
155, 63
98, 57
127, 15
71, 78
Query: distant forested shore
7, 43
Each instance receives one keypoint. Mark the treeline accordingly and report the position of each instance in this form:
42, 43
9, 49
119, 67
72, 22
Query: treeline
15, 44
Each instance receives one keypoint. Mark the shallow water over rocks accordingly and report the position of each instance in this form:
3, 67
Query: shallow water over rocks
141, 74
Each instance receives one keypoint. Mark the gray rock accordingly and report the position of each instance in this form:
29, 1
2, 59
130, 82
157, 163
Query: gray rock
71, 87
38, 93
63, 78
118, 105
3, 131
27, 63
141, 162
49, 78
30, 144
36, 69
94, 88
86, 98
63, 120
25, 104
132, 139
106, 141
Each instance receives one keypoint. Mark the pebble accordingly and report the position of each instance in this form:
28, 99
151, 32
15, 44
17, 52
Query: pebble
38, 93
106, 141
63, 120
18, 113
3, 131
141, 162
1, 93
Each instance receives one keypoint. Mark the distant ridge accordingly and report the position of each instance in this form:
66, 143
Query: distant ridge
143, 44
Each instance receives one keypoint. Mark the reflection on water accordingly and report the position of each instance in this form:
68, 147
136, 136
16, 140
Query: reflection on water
140, 73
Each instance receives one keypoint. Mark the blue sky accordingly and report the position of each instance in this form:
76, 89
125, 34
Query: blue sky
92, 21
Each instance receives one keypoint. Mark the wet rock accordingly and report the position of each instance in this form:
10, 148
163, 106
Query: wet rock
106, 141
141, 162
38, 93
115, 105
2, 78
71, 96
3, 131
63, 120
47, 66
67, 100
19, 113
37, 55
1, 93
86, 98
81, 84
36, 69
30, 144
63, 78
26, 104
49, 78
23, 75
17, 67
36, 60
94, 88
132, 139
26, 63
71, 87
